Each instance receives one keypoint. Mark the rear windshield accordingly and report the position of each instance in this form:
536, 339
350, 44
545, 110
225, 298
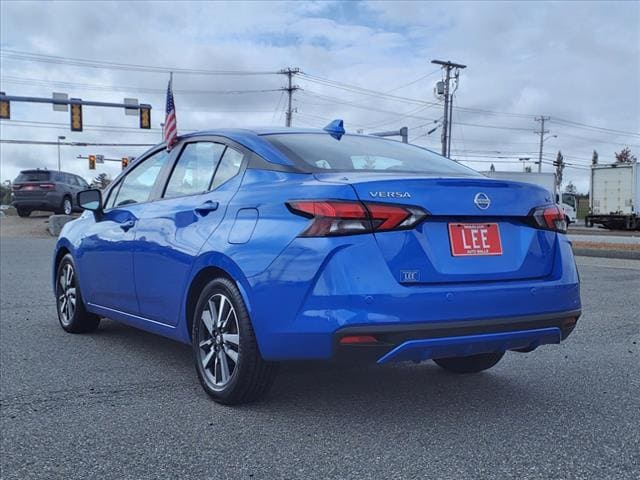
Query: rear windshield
36, 176
322, 152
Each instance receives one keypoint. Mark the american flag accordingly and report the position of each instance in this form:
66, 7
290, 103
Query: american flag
170, 124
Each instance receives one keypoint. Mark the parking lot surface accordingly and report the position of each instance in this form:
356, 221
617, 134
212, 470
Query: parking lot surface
121, 403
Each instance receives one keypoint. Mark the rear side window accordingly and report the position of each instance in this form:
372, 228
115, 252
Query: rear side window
36, 176
194, 170
319, 152
136, 187
228, 168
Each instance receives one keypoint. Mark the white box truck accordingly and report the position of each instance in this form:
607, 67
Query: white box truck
614, 196
567, 201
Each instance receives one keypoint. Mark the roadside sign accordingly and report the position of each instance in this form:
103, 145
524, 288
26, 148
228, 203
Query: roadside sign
58, 107
131, 111
99, 158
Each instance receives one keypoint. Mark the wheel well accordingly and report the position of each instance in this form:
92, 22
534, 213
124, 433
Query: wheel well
61, 253
198, 283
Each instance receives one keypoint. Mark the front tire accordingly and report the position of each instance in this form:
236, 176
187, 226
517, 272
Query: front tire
23, 212
72, 314
228, 362
470, 364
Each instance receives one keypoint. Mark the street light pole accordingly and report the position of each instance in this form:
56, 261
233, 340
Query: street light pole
61, 137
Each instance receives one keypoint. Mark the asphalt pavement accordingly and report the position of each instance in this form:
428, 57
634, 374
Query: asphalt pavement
120, 403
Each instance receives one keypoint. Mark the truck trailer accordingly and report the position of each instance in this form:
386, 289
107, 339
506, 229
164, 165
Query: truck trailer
614, 196
567, 201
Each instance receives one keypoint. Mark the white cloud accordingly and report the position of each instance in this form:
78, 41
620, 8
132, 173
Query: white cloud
572, 60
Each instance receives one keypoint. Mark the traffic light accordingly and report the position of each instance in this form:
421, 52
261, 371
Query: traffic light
125, 162
76, 116
5, 108
145, 116
92, 162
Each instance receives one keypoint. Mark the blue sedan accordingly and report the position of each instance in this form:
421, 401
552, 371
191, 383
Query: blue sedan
264, 245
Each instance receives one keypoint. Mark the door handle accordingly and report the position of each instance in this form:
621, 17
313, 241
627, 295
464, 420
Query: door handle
127, 225
206, 207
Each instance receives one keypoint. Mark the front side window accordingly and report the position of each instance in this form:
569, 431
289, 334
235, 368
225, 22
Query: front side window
196, 165
136, 187
322, 152
228, 168
82, 182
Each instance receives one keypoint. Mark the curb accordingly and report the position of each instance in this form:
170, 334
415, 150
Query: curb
596, 252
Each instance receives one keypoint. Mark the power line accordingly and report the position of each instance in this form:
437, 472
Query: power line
80, 62
414, 81
335, 100
595, 140
120, 88
75, 144
593, 127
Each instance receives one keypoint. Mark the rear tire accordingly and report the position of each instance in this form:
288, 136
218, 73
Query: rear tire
23, 212
470, 364
227, 358
72, 314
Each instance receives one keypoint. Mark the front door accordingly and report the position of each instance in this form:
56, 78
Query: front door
107, 248
173, 229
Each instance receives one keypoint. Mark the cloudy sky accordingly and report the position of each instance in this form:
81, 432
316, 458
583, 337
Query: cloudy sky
365, 62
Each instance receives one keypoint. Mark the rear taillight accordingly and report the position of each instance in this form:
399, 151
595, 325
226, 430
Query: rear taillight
550, 217
47, 186
345, 217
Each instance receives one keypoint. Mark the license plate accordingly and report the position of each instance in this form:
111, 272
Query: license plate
471, 239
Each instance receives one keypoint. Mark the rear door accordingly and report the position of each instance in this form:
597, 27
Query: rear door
173, 229
106, 254
34, 185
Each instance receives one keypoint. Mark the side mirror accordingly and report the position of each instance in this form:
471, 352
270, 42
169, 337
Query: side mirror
90, 200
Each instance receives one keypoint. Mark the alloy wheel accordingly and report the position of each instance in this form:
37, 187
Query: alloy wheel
219, 340
66, 206
66, 294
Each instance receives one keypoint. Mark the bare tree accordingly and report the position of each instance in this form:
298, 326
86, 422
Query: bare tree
625, 156
102, 181
559, 164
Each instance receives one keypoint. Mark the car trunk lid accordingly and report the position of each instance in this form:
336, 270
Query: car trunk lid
462, 212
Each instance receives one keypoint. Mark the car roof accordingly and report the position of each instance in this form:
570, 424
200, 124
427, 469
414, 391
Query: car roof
252, 131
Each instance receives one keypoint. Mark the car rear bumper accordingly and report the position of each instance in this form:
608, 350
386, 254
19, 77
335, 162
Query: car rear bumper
354, 288
453, 338
48, 201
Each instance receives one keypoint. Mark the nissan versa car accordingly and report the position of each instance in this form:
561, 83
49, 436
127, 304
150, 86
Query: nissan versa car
264, 245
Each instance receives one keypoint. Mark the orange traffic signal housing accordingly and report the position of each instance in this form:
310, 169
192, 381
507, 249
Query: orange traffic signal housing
76, 116
5, 108
92, 162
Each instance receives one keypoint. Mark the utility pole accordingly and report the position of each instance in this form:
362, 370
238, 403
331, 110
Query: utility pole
448, 102
542, 133
290, 88
61, 137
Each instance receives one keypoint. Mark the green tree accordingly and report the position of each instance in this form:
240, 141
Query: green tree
5, 193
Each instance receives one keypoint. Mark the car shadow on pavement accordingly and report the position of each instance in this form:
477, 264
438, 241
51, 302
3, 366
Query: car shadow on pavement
304, 387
